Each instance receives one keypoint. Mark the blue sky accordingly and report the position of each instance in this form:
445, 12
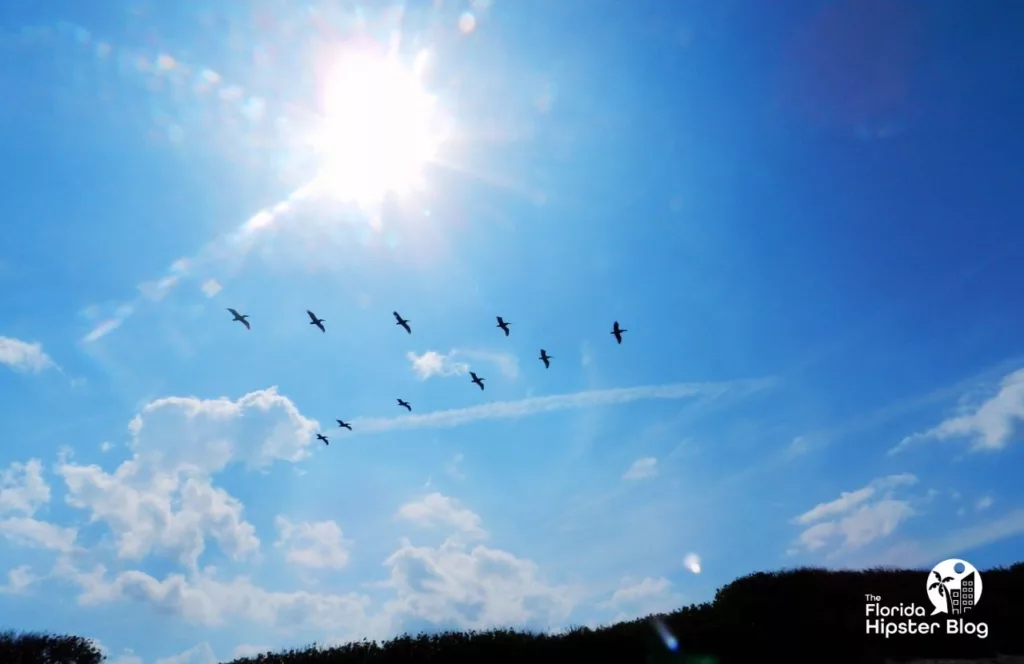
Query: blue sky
806, 216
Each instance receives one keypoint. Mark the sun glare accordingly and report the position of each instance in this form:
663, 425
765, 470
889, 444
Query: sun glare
377, 128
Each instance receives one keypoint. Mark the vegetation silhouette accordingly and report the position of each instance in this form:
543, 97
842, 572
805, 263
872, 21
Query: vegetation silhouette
797, 615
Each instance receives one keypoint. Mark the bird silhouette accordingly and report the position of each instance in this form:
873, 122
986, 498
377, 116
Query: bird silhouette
405, 404
241, 318
477, 379
313, 320
545, 358
322, 437
403, 322
617, 331
344, 425
503, 325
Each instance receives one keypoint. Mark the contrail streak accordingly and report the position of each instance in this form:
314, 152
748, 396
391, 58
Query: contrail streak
443, 419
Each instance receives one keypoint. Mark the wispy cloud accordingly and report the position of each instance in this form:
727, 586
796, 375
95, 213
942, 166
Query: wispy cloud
230, 246
989, 426
24, 356
457, 362
928, 552
556, 402
642, 469
855, 518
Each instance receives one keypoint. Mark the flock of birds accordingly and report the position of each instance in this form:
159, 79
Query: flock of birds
404, 323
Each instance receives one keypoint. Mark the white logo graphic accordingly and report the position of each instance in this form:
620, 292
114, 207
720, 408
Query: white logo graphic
954, 587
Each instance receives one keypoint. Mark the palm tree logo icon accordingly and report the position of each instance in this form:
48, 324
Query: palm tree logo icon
954, 586
940, 585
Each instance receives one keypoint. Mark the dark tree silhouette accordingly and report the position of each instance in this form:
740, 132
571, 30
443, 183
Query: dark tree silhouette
793, 616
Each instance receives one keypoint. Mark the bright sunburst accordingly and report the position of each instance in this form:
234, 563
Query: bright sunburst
377, 127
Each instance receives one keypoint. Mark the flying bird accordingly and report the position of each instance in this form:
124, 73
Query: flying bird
313, 320
241, 318
322, 437
503, 325
403, 322
405, 405
477, 379
545, 358
344, 425
617, 331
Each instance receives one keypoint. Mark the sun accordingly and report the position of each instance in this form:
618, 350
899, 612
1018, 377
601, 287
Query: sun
377, 127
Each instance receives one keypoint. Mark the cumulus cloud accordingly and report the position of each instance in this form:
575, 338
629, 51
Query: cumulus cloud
643, 468
437, 511
855, 518
24, 356
23, 490
454, 585
987, 427
313, 544
162, 500
692, 563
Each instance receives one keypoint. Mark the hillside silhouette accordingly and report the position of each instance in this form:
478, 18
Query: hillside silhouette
800, 615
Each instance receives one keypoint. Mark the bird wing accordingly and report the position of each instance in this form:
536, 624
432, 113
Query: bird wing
397, 317
233, 312
245, 323
312, 316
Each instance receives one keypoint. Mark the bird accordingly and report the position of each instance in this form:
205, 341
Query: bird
477, 379
503, 325
241, 318
403, 322
313, 320
322, 437
545, 358
344, 425
405, 404
617, 331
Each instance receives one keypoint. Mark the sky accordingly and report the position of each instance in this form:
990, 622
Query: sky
805, 215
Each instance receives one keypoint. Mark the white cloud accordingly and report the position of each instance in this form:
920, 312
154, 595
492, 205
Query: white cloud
163, 500
318, 544
856, 518
454, 585
433, 363
23, 356
155, 511
643, 468
692, 563
22, 488
27, 531
211, 287
984, 503
435, 510
989, 426
106, 446
22, 492
207, 434
18, 580
470, 588
556, 402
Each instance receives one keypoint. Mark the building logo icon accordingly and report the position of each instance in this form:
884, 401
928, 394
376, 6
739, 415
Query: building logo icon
954, 587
